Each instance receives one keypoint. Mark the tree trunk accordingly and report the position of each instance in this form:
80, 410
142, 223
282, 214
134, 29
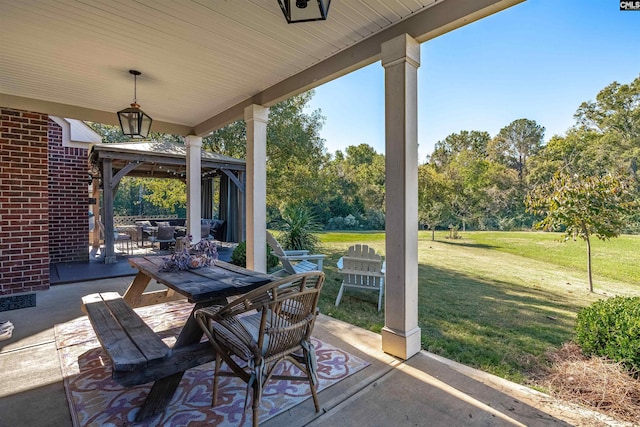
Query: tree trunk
433, 233
589, 263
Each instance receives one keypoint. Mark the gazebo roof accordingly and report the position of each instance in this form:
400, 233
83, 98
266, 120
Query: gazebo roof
159, 159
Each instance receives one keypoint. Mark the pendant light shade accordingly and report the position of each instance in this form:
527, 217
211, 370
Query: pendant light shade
134, 122
304, 10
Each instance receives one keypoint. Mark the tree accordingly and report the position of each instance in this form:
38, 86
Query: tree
579, 152
470, 178
433, 193
616, 109
356, 187
297, 157
167, 194
502, 199
231, 140
475, 142
515, 143
615, 117
365, 169
584, 206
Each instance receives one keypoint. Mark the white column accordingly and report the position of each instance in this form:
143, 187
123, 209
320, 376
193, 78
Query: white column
401, 59
256, 118
194, 178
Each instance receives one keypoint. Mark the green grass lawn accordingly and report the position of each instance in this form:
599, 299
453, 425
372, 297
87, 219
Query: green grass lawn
493, 300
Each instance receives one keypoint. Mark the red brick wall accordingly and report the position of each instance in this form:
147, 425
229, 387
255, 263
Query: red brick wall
68, 200
24, 212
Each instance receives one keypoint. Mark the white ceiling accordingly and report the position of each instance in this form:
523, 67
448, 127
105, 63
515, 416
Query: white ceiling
201, 60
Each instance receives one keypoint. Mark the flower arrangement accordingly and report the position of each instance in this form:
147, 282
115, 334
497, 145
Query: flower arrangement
202, 254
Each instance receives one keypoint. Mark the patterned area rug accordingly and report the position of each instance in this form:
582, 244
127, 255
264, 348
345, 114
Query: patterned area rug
96, 400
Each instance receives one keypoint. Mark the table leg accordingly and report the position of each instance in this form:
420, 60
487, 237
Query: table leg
163, 390
136, 288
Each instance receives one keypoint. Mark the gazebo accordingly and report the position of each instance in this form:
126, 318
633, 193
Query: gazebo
167, 160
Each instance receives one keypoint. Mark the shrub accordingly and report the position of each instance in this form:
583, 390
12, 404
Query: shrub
335, 223
239, 256
611, 328
374, 219
297, 227
349, 222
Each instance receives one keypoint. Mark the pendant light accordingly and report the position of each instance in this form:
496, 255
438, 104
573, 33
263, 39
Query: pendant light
133, 121
304, 10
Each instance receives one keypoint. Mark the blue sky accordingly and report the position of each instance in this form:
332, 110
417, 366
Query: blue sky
537, 60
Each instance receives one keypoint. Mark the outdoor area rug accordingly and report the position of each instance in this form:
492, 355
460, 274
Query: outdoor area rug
95, 400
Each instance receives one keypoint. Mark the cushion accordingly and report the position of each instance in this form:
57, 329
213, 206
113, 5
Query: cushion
218, 227
250, 324
217, 224
144, 223
162, 223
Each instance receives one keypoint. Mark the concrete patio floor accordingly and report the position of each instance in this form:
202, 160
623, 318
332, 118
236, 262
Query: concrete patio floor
426, 390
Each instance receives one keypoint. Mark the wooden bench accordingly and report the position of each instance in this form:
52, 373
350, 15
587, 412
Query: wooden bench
137, 354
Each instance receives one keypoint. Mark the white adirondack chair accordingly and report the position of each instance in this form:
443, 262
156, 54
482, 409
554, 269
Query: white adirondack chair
294, 262
362, 269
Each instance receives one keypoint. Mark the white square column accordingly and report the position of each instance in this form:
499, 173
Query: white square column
256, 118
401, 59
194, 186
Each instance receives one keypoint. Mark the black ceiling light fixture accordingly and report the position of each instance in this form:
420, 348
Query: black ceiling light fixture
133, 121
304, 10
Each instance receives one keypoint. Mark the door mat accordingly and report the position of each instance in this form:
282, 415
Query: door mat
15, 302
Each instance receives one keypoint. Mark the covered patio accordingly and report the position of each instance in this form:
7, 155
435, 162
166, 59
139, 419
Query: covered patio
205, 65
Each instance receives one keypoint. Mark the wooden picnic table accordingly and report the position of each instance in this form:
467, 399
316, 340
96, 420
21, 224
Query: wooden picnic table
203, 287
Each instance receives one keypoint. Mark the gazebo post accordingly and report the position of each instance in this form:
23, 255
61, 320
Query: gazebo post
95, 208
194, 185
107, 211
